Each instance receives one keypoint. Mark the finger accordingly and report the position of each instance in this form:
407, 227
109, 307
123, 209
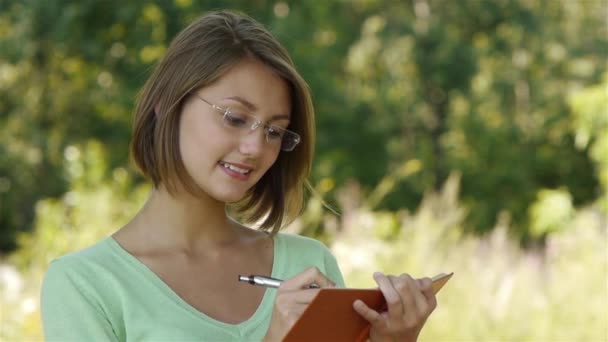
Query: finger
415, 296
392, 297
366, 312
306, 278
425, 284
427, 290
407, 287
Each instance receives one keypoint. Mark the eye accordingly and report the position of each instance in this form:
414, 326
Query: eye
233, 119
274, 133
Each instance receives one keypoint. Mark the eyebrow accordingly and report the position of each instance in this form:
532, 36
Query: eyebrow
253, 107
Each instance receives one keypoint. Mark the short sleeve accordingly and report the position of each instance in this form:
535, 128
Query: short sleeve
70, 311
333, 270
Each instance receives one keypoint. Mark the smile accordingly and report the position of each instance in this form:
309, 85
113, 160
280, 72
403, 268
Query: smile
243, 171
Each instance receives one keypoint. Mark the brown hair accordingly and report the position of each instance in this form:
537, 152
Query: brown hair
197, 57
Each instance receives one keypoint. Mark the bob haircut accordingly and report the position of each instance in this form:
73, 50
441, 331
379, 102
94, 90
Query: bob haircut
198, 56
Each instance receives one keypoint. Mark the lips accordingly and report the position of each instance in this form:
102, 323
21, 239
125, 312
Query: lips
239, 168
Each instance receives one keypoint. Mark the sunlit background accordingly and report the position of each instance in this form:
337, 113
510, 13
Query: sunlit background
467, 136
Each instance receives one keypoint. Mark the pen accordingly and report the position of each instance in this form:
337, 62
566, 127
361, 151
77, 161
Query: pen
267, 281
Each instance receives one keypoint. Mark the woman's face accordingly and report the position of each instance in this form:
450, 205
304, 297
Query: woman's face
222, 162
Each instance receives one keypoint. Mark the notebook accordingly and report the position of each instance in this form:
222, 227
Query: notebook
331, 317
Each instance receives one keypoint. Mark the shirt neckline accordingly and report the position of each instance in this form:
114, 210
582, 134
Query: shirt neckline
259, 314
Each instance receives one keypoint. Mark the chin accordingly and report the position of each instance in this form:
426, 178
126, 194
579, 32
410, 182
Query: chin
229, 197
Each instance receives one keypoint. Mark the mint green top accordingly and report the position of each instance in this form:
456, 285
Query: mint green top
104, 293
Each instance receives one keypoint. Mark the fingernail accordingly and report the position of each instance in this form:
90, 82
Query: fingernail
377, 274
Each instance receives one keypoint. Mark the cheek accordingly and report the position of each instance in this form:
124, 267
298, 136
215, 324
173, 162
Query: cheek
195, 144
188, 142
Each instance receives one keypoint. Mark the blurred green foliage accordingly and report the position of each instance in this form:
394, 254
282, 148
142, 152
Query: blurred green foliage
482, 87
499, 292
590, 124
88, 212
435, 119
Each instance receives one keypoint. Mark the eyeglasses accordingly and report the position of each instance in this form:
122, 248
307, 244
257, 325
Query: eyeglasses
243, 123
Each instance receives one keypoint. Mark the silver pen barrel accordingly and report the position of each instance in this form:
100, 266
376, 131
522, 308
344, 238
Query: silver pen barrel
261, 281
268, 282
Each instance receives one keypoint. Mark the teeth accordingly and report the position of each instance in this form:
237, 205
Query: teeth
237, 169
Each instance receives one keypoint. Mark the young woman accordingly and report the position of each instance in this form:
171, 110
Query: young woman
224, 129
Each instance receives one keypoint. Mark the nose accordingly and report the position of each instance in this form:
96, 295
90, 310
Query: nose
253, 143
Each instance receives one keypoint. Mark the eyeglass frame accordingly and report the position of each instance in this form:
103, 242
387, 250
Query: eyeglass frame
256, 123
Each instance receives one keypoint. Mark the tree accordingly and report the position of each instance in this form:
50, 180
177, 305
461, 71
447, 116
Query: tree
476, 86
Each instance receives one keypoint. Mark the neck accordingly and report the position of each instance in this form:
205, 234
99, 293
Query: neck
185, 222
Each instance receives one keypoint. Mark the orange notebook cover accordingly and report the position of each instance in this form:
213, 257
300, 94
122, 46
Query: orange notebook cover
331, 317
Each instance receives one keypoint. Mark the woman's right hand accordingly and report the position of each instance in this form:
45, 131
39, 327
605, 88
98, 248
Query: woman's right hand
293, 297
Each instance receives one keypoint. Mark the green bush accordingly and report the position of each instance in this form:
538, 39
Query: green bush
499, 292
92, 209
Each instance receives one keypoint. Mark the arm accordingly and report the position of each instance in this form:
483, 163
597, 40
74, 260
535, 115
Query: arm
69, 311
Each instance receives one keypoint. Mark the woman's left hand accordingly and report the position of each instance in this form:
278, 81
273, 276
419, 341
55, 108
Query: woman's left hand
409, 301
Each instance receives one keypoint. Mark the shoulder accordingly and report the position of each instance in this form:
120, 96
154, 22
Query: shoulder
297, 246
299, 242
92, 254
88, 263
296, 253
96, 275
78, 296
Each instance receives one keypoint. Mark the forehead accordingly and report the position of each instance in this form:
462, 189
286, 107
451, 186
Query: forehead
255, 86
